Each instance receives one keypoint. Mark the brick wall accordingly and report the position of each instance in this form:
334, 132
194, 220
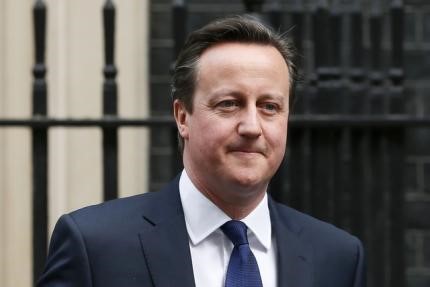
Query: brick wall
417, 68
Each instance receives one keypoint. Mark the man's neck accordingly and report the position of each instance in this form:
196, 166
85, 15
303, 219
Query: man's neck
237, 204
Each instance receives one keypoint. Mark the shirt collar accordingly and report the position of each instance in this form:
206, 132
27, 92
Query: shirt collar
203, 217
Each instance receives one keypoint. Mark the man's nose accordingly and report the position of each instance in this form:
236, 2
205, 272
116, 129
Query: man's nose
250, 125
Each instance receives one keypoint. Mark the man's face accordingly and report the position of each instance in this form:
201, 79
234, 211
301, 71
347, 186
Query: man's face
235, 136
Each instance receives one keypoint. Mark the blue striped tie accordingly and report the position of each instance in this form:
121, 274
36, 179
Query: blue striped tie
243, 268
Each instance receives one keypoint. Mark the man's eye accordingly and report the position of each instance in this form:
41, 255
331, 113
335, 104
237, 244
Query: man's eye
228, 104
270, 107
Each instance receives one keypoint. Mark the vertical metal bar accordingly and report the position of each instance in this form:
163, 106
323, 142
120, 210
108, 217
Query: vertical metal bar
305, 181
179, 12
255, 9
322, 47
396, 150
396, 72
336, 24
357, 53
322, 170
278, 187
110, 134
275, 15
319, 166
376, 206
361, 170
377, 201
359, 138
298, 22
376, 77
306, 94
342, 214
40, 144
396, 224
339, 140
253, 6
397, 37
295, 170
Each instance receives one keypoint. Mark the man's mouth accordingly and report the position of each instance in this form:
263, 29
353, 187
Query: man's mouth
247, 150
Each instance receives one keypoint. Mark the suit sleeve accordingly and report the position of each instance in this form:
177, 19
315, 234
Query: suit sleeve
67, 263
360, 269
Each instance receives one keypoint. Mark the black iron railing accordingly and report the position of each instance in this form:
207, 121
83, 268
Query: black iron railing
345, 154
40, 143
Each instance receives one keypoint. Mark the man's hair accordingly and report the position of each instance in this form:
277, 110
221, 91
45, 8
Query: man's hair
241, 29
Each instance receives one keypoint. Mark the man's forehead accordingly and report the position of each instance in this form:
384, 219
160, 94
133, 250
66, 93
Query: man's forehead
238, 53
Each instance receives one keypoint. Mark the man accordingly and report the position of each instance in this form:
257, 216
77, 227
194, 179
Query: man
214, 225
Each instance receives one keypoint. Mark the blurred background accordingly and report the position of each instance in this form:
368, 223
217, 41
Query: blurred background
85, 117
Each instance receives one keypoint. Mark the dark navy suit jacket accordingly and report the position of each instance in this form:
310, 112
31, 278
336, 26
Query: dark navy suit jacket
142, 241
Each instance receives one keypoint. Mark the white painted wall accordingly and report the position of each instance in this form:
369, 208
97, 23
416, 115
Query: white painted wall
75, 63
15, 188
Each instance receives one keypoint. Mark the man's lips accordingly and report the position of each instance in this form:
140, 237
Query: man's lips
247, 150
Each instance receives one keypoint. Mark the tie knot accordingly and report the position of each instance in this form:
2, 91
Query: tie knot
235, 231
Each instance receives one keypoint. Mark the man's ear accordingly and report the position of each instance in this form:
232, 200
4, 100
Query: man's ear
181, 114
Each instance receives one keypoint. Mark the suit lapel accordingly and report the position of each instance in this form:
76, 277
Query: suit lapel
294, 256
165, 240
165, 244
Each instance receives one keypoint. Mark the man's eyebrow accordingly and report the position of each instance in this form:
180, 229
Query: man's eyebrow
270, 95
227, 91
220, 94
274, 96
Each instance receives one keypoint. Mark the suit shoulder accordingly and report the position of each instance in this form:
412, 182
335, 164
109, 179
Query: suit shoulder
123, 211
126, 204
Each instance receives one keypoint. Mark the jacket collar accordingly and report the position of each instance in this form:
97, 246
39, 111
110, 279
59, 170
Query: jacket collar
164, 239
165, 243
294, 256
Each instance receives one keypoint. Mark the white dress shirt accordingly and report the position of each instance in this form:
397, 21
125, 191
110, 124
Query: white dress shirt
211, 249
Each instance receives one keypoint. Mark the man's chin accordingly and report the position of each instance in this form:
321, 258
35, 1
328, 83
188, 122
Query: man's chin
249, 180
245, 157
